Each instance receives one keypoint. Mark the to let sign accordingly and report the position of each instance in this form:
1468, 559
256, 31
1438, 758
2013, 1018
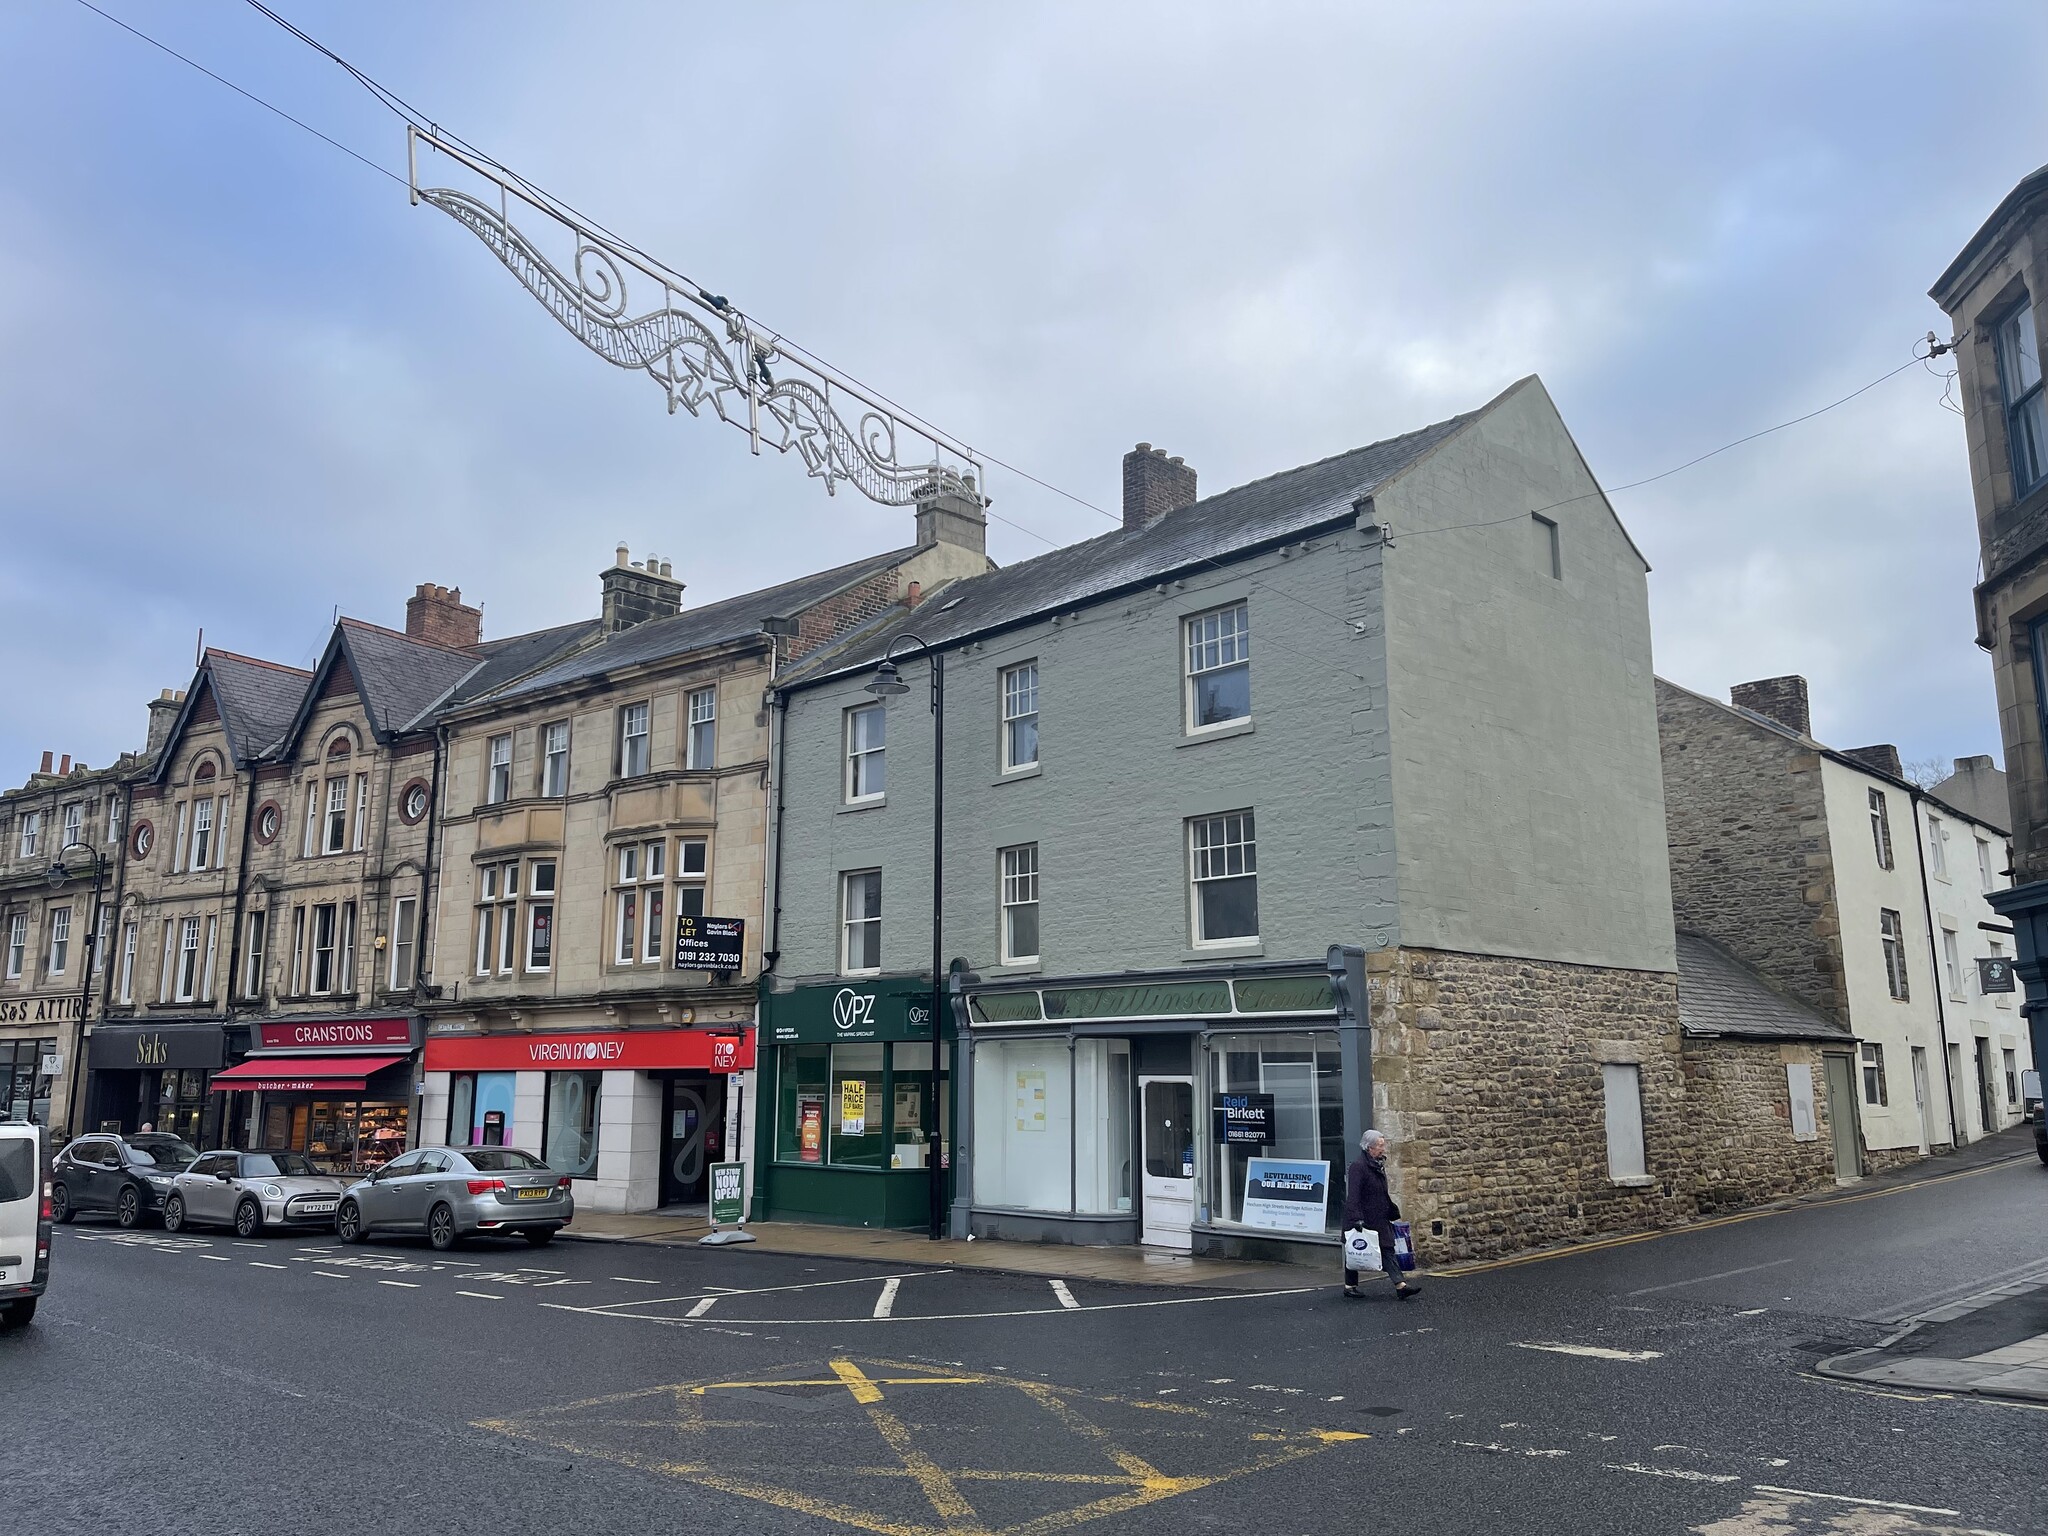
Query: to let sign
1243, 1119
710, 943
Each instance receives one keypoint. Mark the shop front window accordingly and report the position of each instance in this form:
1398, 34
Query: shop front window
24, 1086
1300, 1073
859, 1105
1053, 1125
569, 1134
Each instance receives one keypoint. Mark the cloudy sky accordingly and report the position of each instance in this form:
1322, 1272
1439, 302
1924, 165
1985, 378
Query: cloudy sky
245, 383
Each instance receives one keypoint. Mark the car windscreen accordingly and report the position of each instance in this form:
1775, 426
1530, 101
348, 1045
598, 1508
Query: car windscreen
503, 1160
162, 1154
278, 1165
17, 1168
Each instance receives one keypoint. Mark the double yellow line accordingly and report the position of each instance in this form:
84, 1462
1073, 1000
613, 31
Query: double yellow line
1460, 1271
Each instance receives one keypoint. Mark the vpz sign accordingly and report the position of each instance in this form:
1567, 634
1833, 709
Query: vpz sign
853, 1010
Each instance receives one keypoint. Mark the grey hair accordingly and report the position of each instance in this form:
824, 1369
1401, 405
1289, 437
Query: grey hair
1370, 1140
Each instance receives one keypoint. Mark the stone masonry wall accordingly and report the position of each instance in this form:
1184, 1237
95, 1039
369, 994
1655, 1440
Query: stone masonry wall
1751, 863
1738, 1116
1487, 1078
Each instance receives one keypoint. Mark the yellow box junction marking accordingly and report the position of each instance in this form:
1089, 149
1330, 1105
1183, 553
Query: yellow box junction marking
1135, 1481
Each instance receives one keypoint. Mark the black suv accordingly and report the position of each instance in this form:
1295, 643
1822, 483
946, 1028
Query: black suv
126, 1176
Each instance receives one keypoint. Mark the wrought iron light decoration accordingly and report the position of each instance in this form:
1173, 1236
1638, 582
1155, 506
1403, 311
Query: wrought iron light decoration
635, 313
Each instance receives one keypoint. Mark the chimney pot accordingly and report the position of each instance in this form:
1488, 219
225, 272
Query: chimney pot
668, 570
915, 595
1154, 485
1782, 699
625, 560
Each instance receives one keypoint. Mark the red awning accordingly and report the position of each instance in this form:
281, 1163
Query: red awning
285, 1074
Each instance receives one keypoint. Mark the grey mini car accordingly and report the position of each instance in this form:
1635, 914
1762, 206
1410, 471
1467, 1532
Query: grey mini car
451, 1193
250, 1191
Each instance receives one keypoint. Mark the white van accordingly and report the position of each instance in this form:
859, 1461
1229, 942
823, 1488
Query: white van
24, 1222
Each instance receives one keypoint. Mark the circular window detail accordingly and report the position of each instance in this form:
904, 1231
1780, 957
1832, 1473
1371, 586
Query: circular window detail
269, 819
412, 802
143, 839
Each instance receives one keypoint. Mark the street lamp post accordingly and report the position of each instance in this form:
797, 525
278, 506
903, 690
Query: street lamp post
889, 684
57, 876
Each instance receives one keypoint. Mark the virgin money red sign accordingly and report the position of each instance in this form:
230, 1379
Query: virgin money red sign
631, 1050
334, 1034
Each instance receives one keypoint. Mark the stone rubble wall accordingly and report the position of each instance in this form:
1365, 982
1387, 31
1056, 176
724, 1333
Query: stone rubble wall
1739, 1118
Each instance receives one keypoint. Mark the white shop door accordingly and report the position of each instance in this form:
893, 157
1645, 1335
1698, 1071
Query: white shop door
1167, 1110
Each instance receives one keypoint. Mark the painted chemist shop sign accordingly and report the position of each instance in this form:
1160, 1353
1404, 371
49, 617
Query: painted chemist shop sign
891, 1010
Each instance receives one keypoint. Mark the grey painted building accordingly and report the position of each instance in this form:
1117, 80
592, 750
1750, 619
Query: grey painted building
1399, 699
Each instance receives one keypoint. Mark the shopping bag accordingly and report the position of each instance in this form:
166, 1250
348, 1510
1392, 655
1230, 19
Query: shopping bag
1362, 1250
1404, 1246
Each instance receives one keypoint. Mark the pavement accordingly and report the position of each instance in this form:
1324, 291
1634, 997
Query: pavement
204, 1384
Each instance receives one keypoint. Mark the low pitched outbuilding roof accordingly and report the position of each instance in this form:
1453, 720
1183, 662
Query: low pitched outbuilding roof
1721, 998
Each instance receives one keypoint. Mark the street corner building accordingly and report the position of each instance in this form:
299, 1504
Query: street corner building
1993, 293
1370, 742
1844, 973
604, 814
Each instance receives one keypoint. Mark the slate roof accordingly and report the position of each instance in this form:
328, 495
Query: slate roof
730, 618
1719, 996
257, 700
396, 675
499, 662
1214, 528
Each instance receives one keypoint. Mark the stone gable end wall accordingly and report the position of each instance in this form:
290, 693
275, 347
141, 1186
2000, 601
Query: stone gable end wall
1487, 1079
1739, 1114
1751, 864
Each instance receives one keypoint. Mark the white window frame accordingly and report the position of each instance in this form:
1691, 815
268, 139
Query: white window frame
1881, 828
131, 941
1206, 838
60, 940
334, 825
1985, 876
701, 746
498, 769
1952, 962
113, 819
31, 832
1872, 1077
554, 759
186, 977
345, 951
312, 819
17, 945
362, 813
165, 964
692, 876
1891, 932
404, 937
178, 865
1019, 685
298, 988
1211, 647
1937, 847
848, 922
101, 923
539, 899
253, 959
866, 762
73, 826
206, 971
321, 948
202, 832
636, 744
1017, 879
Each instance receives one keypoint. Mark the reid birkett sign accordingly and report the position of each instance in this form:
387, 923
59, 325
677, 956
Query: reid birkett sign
710, 943
1243, 1119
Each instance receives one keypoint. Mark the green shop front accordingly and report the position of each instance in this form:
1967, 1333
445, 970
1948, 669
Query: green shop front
1194, 1114
846, 1069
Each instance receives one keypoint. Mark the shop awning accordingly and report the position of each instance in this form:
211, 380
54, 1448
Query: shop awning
286, 1074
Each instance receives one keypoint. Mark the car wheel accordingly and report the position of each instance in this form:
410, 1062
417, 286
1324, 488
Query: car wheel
60, 1204
128, 1209
248, 1219
441, 1228
348, 1222
174, 1214
540, 1237
18, 1314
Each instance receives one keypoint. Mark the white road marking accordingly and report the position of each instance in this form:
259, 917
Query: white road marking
1753, 1312
1847, 1498
1774, 1461
329, 1275
218, 1258
1066, 1297
612, 1310
259, 1264
885, 1303
406, 1285
1747, 1269
634, 1280
241, 1244
808, 1285
1508, 1450
697, 1311
1683, 1474
1596, 1352
480, 1295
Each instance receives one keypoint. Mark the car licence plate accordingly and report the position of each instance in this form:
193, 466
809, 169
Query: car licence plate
540, 1193
317, 1207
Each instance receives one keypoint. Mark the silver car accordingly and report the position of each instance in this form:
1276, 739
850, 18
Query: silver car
250, 1191
451, 1193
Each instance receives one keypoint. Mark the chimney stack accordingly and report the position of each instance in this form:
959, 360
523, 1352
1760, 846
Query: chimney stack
636, 592
438, 616
163, 714
1782, 699
949, 517
64, 767
1154, 485
1884, 758
47, 757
